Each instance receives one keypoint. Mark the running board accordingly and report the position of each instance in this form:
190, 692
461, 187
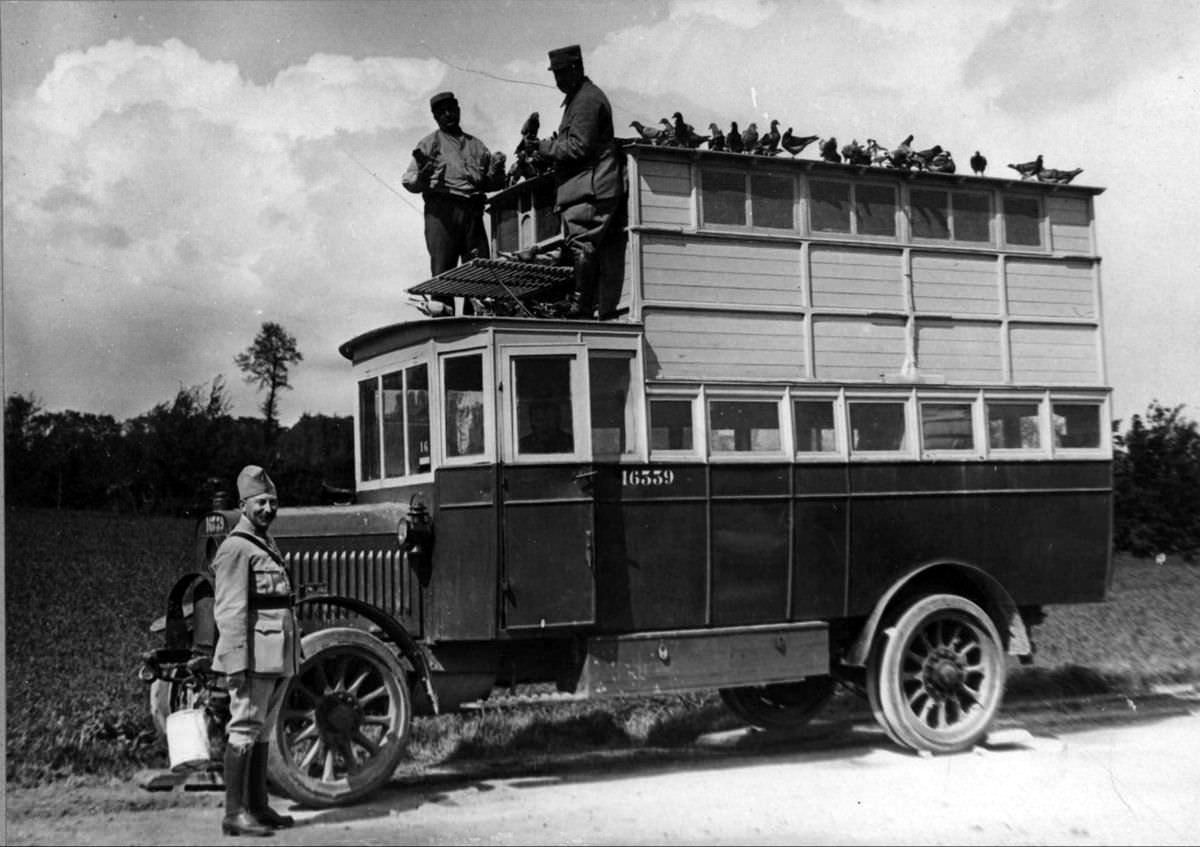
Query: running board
688, 660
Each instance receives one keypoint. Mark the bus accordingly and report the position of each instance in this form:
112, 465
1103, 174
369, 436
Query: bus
846, 428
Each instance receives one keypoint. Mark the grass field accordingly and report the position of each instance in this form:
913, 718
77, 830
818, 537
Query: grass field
82, 588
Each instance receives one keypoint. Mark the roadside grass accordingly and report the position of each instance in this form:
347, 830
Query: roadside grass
82, 588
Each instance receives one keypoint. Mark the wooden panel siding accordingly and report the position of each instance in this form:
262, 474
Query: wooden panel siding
852, 278
1050, 289
854, 348
1054, 354
666, 192
955, 284
1070, 224
960, 351
712, 271
693, 344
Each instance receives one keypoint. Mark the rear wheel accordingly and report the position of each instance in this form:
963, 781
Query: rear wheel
936, 677
786, 705
343, 720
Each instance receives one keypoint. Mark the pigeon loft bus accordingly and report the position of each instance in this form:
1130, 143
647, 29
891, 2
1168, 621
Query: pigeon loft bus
849, 426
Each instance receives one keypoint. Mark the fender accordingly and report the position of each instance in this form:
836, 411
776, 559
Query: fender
174, 624
997, 603
390, 626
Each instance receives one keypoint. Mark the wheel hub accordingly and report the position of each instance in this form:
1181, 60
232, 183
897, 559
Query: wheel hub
339, 713
943, 674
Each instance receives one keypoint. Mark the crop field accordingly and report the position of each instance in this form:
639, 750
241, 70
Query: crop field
82, 588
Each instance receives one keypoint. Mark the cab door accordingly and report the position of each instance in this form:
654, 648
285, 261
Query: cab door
546, 490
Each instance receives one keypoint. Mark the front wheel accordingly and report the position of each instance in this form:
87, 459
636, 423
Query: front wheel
343, 720
936, 677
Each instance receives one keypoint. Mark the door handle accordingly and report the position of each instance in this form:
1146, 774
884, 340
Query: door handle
585, 475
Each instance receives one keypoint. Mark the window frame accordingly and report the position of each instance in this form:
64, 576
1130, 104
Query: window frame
809, 229
580, 402
1101, 450
489, 411
747, 173
375, 371
692, 397
635, 404
972, 401
837, 399
1043, 236
1042, 451
909, 451
723, 394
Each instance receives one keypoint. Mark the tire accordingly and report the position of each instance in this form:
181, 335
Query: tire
343, 721
782, 706
935, 679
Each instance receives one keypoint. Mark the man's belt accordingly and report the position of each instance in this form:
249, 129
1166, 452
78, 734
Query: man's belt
270, 602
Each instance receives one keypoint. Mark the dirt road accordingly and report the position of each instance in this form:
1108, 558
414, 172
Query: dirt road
1118, 783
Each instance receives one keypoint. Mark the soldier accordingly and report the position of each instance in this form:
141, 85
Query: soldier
590, 175
453, 170
258, 648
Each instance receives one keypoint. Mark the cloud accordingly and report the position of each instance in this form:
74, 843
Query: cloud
744, 14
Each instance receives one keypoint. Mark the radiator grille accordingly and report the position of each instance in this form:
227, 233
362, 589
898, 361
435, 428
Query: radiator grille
379, 577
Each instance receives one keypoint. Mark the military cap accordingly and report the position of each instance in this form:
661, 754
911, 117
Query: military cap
564, 57
441, 97
253, 481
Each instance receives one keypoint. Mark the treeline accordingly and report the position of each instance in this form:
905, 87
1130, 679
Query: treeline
173, 459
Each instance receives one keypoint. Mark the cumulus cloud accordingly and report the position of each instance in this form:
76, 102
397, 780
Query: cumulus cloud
744, 14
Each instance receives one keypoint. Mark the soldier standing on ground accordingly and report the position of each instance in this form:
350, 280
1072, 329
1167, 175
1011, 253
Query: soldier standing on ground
453, 170
258, 648
590, 174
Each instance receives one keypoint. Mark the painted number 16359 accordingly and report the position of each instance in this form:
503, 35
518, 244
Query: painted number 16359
647, 476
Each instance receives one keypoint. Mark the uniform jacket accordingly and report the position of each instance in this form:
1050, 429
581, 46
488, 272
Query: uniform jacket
468, 170
257, 630
587, 164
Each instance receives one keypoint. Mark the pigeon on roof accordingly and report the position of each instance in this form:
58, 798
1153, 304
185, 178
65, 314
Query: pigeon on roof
733, 138
942, 163
829, 150
795, 145
716, 138
1028, 169
922, 158
1055, 175
855, 154
653, 134
902, 155
750, 138
878, 153
768, 144
978, 163
685, 134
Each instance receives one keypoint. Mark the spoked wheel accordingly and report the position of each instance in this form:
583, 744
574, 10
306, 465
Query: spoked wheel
786, 705
936, 678
342, 722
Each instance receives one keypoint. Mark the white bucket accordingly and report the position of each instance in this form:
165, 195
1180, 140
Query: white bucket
187, 739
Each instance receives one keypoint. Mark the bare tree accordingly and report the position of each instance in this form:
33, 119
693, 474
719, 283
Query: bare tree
266, 362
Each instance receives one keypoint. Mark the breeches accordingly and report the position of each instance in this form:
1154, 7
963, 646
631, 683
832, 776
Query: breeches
252, 700
593, 238
453, 229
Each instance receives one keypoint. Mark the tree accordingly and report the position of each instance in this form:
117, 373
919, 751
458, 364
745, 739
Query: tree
1156, 482
266, 362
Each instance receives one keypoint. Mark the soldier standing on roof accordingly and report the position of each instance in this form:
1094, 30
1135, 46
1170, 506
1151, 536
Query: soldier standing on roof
452, 170
590, 173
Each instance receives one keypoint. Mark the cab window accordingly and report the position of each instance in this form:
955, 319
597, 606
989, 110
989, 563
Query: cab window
545, 413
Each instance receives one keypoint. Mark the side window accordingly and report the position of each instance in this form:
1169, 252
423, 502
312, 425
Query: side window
877, 425
612, 427
671, 425
1076, 424
1013, 426
815, 432
723, 195
972, 217
405, 411
930, 217
1022, 221
545, 416
368, 428
771, 200
829, 206
743, 426
463, 386
947, 426
875, 206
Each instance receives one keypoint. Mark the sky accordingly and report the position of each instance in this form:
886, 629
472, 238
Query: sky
177, 173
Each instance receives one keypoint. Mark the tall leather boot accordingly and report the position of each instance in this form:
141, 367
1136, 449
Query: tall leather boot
238, 820
258, 797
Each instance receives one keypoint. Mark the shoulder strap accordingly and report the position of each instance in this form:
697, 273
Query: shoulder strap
258, 542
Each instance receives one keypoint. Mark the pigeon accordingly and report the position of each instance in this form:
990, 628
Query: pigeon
902, 154
668, 136
855, 154
653, 134
750, 138
795, 145
685, 135
942, 163
829, 151
921, 158
716, 138
1055, 175
529, 131
1028, 169
879, 154
978, 163
733, 138
768, 144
